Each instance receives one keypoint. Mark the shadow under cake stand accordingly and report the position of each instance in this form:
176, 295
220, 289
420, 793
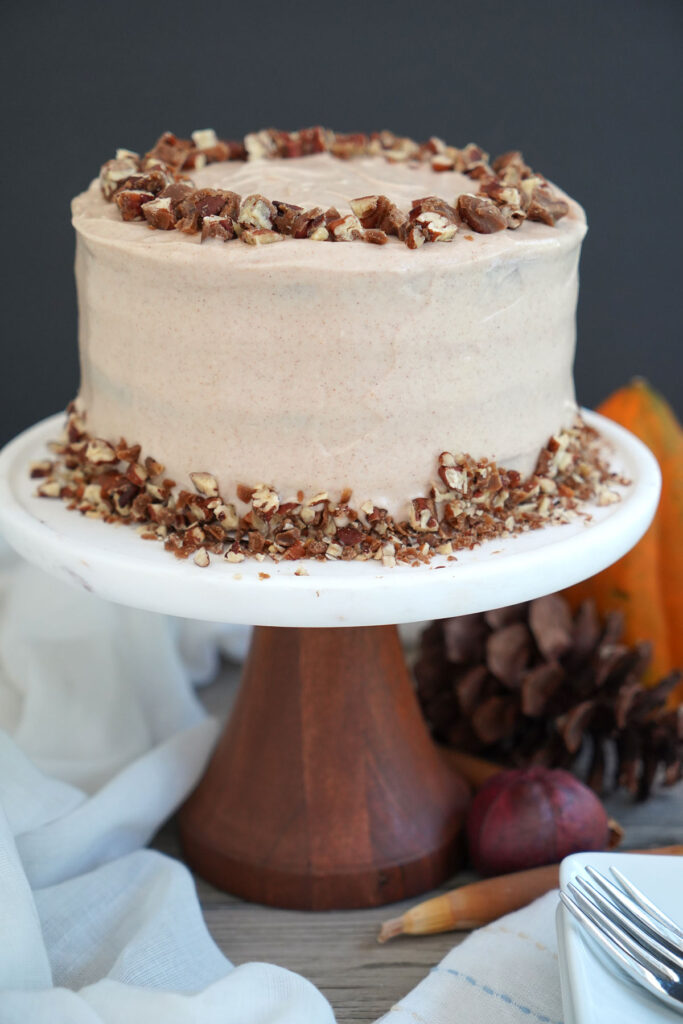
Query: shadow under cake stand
325, 790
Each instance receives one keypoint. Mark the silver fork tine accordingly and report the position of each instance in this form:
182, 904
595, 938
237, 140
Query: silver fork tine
659, 929
641, 956
632, 967
647, 904
646, 938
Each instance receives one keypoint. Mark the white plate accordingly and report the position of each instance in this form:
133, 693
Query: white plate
592, 991
116, 564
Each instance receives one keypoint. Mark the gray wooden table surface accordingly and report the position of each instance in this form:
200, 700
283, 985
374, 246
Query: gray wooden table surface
338, 950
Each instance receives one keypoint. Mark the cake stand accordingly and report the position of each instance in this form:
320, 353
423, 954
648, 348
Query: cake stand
325, 790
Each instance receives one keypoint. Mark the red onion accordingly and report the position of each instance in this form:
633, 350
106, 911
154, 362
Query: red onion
524, 818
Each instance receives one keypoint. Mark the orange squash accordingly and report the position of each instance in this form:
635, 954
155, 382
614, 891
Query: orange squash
647, 583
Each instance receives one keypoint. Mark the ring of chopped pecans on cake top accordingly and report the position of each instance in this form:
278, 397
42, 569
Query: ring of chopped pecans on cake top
469, 502
156, 188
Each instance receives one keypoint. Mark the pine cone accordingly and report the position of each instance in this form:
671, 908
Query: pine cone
532, 684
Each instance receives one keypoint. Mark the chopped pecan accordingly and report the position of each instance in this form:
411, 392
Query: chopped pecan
345, 229
130, 202
411, 233
314, 140
528, 186
262, 236
213, 202
153, 467
370, 210
114, 172
307, 223
257, 212
159, 214
206, 202
473, 156
218, 227
153, 181
375, 236
435, 227
285, 215
205, 483
481, 214
204, 138
346, 146
260, 145
508, 198
40, 469
442, 162
432, 204
546, 207
510, 167
169, 149
137, 474
176, 192
99, 451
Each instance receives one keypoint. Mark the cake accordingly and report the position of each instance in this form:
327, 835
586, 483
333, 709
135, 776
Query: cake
384, 370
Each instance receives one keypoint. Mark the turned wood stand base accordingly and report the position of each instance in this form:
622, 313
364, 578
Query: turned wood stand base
325, 790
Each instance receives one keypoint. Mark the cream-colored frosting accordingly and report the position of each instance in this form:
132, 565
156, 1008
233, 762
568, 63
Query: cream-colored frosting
318, 365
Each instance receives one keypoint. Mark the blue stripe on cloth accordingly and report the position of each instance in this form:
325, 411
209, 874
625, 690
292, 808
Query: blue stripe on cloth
487, 990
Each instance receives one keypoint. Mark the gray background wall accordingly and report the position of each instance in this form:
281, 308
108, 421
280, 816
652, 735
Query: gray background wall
590, 90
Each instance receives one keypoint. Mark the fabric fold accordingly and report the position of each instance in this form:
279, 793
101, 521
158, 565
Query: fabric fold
101, 739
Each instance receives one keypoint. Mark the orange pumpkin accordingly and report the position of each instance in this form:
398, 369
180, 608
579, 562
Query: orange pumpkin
647, 583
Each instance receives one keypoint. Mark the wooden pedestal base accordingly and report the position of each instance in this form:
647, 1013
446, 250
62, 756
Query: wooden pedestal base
325, 791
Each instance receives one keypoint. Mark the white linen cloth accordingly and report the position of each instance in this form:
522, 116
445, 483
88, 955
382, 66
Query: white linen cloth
504, 973
101, 738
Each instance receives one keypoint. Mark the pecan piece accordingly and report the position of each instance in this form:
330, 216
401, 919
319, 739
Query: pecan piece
218, 227
210, 202
261, 236
437, 219
309, 223
176, 192
114, 172
204, 138
442, 162
435, 227
168, 149
130, 202
99, 451
285, 215
201, 558
159, 214
481, 214
510, 167
411, 233
257, 212
345, 229
150, 181
40, 469
260, 145
508, 198
346, 146
546, 207
473, 157
205, 202
205, 483
370, 210
376, 236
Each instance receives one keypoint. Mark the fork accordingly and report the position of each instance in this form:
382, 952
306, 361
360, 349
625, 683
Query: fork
640, 937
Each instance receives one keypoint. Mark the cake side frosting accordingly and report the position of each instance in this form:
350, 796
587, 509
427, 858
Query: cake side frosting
324, 367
